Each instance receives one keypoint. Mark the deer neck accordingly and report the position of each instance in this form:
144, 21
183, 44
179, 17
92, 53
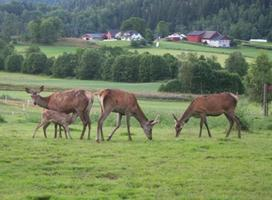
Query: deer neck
186, 115
43, 102
140, 116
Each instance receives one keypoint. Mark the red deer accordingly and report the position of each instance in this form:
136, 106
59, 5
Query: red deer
69, 101
59, 118
210, 105
122, 103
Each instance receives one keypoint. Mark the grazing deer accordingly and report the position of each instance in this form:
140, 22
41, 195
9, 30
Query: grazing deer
210, 105
122, 103
69, 101
59, 118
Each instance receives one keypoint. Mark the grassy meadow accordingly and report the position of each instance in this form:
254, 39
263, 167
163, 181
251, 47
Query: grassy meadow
187, 167
175, 48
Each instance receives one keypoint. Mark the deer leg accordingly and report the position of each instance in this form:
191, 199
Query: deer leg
88, 124
56, 130
206, 124
67, 130
230, 118
82, 117
101, 119
237, 121
60, 135
128, 127
44, 129
36, 129
201, 125
118, 124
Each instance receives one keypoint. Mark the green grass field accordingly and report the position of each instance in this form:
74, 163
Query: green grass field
27, 80
174, 48
165, 168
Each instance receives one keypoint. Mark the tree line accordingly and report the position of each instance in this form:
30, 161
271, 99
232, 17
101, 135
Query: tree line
241, 19
105, 63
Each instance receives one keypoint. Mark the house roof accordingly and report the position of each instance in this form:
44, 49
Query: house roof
196, 33
210, 34
221, 37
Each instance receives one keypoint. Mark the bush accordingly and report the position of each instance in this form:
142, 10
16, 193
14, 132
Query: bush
90, 64
171, 86
2, 120
35, 63
64, 65
14, 63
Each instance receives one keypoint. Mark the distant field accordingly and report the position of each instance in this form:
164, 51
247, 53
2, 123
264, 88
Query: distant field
174, 48
35, 80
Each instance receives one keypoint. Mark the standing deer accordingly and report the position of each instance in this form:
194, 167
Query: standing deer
210, 105
59, 118
122, 103
68, 101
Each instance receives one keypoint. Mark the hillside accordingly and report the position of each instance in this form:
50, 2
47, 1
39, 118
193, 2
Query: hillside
242, 19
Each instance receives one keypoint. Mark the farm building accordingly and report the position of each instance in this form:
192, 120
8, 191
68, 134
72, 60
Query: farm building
129, 35
211, 38
175, 37
94, 36
195, 36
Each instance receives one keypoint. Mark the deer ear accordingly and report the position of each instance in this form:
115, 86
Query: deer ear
156, 120
41, 88
175, 117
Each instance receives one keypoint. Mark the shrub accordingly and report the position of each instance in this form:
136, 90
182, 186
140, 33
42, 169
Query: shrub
2, 120
171, 86
90, 64
65, 65
35, 63
14, 63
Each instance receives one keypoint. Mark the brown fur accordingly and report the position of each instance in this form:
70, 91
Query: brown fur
210, 105
59, 118
69, 101
122, 103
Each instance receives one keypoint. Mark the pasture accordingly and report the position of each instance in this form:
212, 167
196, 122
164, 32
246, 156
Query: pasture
175, 48
187, 167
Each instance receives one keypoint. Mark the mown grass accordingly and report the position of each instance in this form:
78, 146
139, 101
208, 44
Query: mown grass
174, 48
165, 168
34, 80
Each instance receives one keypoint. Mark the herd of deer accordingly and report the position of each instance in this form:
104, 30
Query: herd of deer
59, 106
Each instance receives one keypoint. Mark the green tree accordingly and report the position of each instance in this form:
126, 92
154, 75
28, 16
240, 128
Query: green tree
258, 74
162, 29
50, 29
65, 65
134, 23
14, 62
236, 63
35, 63
90, 64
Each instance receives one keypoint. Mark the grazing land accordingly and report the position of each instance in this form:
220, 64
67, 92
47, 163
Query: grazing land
174, 48
165, 168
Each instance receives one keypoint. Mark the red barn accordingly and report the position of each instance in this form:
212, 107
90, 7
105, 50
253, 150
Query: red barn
195, 36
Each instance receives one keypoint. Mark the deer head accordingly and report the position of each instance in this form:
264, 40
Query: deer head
35, 95
148, 127
178, 125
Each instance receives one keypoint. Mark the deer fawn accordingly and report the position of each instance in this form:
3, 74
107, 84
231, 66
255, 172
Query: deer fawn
122, 103
210, 105
59, 118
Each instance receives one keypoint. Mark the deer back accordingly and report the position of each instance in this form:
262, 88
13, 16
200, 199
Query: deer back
214, 104
68, 101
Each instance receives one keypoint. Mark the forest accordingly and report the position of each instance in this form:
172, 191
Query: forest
240, 19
